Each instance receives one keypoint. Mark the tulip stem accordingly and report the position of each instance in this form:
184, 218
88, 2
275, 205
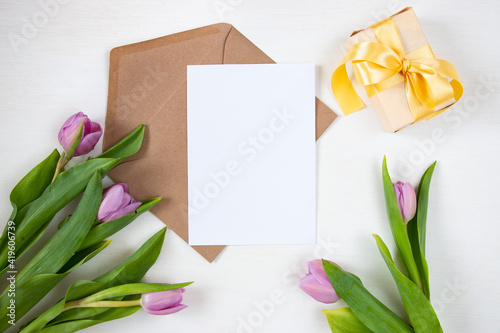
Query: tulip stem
101, 304
60, 165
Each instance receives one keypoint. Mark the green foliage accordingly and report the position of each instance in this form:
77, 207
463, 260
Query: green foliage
369, 310
40, 275
417, 229
419, 309
39, 209
36, 287
398, 228
41, 194
365, 312
34, 183
342, 320
103, 230
119, 284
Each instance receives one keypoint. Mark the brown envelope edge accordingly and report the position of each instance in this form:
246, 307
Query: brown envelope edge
237, 49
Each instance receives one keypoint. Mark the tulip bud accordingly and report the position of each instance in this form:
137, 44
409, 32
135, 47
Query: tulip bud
407, 200
116, 202
91, 133
317, 285
163, 302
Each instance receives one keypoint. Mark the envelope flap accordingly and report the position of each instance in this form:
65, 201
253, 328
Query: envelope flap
240, 50
145, 76
147, 85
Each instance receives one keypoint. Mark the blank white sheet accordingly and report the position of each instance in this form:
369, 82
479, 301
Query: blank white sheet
251, 154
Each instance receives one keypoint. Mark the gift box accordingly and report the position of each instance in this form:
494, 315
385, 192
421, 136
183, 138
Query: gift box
402, 78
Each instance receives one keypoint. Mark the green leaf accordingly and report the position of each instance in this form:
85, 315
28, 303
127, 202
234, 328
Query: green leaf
417, 229
105, 230
130, 271
73, 326
66, 187
36, 324
76, 313
61, 247
128, 289
342, 320
418, 307
35, 182
369, 310
398, 227
56, 253
136, 266
420, 261
28, 294
27, 245
128, 146
80, 255
423, 204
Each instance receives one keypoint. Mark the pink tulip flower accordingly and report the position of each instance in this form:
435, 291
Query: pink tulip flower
91, 133
317, 285
163, 302
407, 200
116, 202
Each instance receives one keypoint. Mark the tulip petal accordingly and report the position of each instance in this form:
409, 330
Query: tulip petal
67, 135
95, 127
116, 202
125, 187
162, 299
76, 118
87, 143
111, 201
87, 125
69, 129
91, 133
124, 211
399, 196
122, 185
320, 292
409, 201
167, 311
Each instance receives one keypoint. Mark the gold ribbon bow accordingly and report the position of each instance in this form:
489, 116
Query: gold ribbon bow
429, 82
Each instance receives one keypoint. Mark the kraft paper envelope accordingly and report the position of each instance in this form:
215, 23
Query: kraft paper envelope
147, 85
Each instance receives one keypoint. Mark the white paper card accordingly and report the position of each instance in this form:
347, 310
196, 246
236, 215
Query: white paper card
251, 154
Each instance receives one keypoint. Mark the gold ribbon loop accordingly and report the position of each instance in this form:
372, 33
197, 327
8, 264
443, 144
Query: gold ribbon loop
429, 82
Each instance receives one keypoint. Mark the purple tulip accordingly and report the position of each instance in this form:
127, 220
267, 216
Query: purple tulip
163, 302
116, 202
407, 200
317, 285
91, 133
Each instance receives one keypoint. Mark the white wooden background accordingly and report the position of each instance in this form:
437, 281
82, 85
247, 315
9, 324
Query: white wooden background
60, 66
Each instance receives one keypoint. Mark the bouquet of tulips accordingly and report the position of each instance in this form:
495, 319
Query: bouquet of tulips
37, 198
326, 282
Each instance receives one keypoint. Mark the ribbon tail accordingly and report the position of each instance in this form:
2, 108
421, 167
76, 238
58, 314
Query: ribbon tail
458, 90
418, 110
347, 97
